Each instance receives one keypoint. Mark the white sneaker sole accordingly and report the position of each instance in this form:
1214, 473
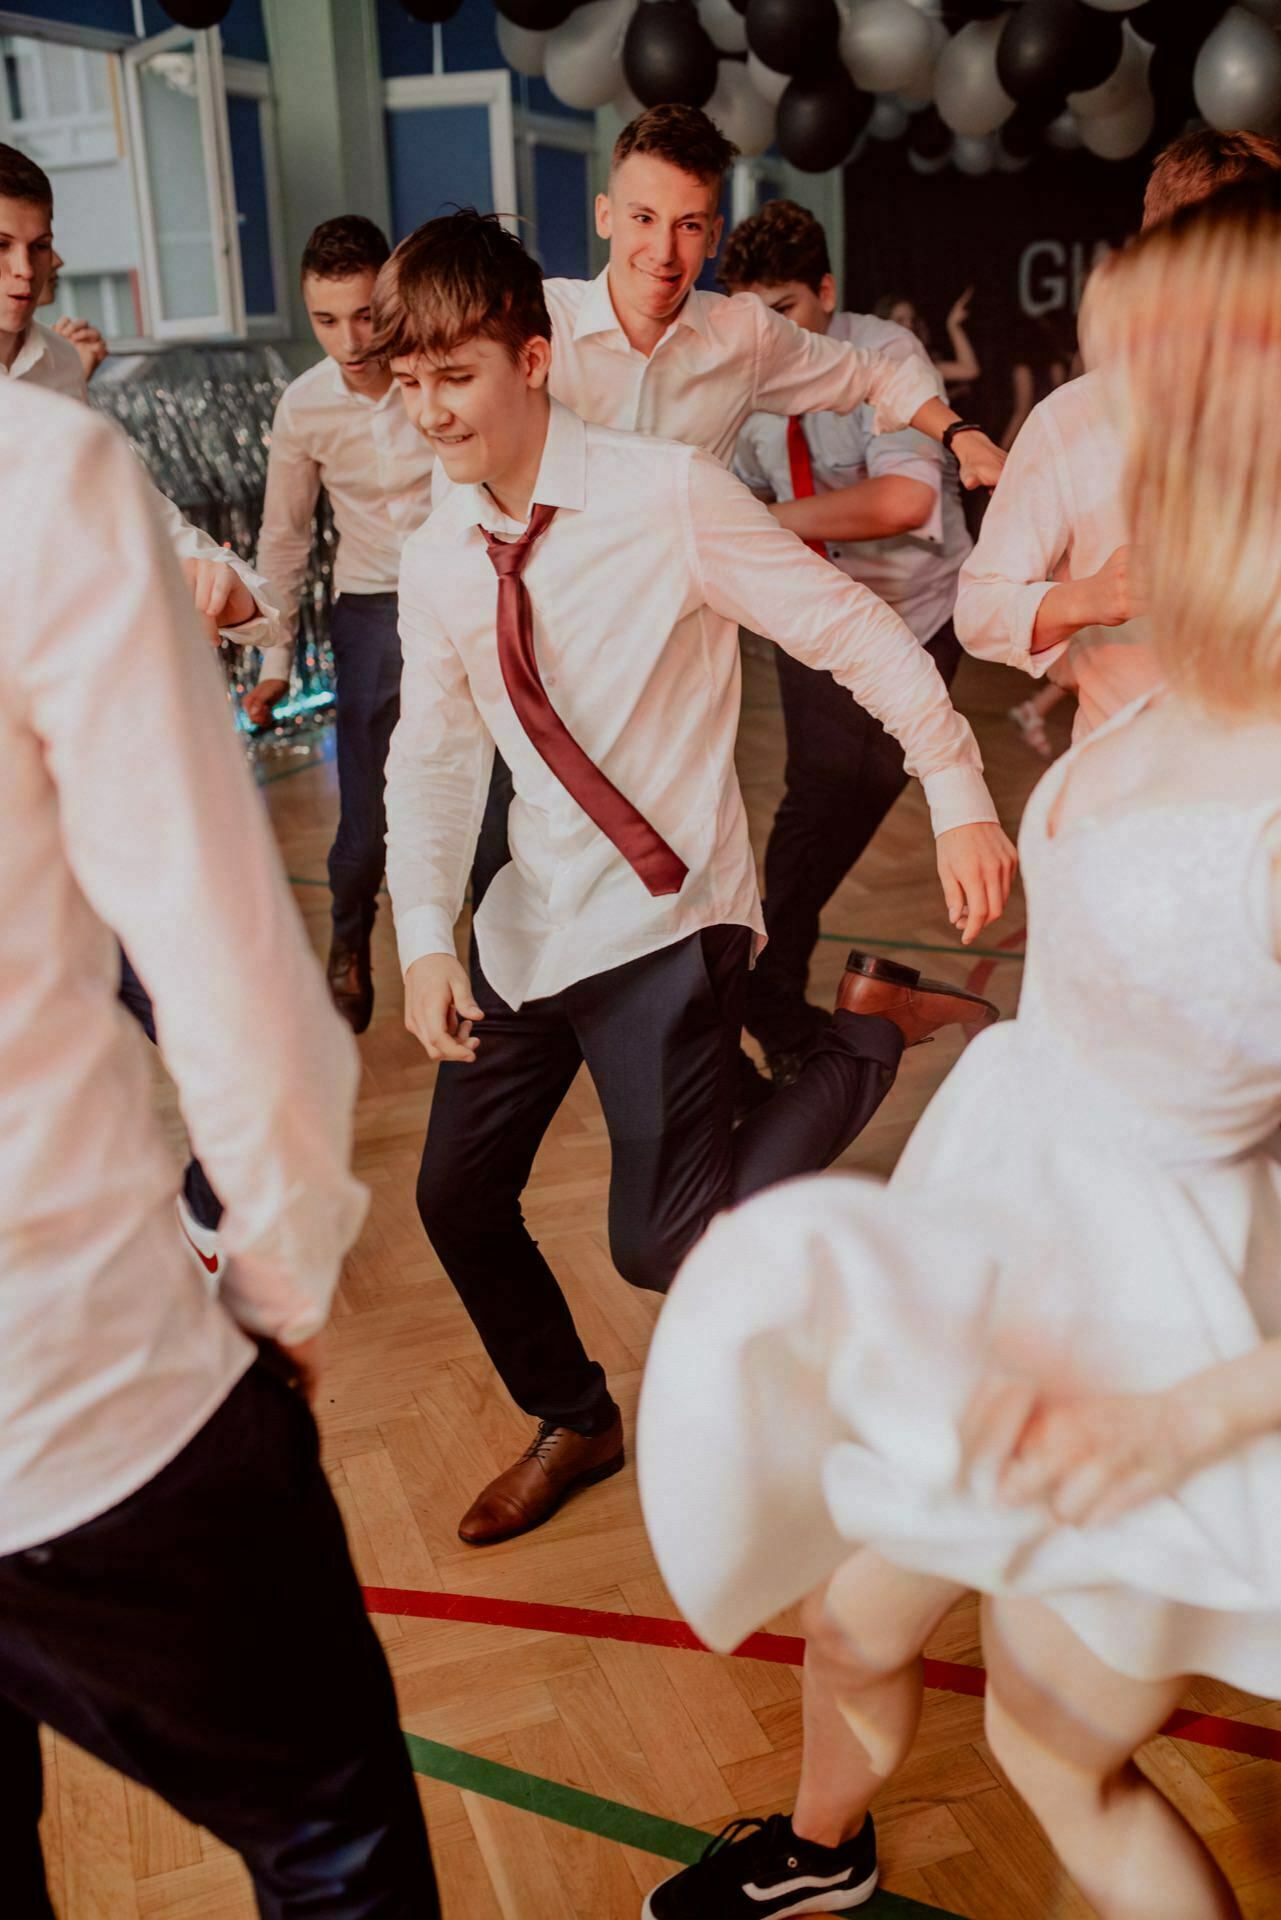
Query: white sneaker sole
844, 1902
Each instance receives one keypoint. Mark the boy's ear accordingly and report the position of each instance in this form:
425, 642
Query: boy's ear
536, 358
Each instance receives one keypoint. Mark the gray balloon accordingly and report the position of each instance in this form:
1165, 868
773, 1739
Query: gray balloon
743, 115
1114, 6
889, 119
974, 153
1269, 10
770, 84
584, 59
967, 92
1127, 82
522, 48
1119, 135
885, 44
1237, 79
724, 25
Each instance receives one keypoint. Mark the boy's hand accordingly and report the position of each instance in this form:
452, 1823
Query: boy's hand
440, 1007
256, 705
977, 865
221, 597
979, 459
1115, 595
86, 340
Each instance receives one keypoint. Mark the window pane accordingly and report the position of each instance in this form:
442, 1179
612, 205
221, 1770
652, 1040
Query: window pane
560, 199
244, 120
438, 158
179, 185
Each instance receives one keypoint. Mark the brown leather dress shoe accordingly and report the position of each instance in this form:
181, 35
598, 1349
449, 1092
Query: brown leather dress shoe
549, 1470
918, 1008
351, 984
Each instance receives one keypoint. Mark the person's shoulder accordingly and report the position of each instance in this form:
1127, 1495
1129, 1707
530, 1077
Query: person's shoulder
565, 296
1082, 399
62, 426
69, 374
316, 383
732, 313
869, 330
611, 449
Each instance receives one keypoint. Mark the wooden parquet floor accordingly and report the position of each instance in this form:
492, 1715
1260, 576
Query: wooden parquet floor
413, 1423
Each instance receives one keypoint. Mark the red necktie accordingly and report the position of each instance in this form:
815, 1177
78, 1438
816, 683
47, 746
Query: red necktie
643, 849
798, 459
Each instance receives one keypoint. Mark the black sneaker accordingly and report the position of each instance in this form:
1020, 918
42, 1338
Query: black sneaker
769, 1874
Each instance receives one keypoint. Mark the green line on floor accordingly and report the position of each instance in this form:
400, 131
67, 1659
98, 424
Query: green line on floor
609, 1819
864, 941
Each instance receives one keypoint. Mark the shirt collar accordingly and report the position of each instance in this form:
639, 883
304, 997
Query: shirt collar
343, 392
561, 482
597, 315
32, 350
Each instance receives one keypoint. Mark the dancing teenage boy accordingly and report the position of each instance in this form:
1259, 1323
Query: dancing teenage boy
575, 601
1052, 573
176, 1594
883, 509
341, 425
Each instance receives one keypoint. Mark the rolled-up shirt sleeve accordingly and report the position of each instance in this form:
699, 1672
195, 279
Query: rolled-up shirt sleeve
754, 571
800, 372
438, 770
265, 629
1023, 543
179, 843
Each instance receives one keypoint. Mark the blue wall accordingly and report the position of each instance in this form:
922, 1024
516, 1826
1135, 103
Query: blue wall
243, 34
245, 124
437, 159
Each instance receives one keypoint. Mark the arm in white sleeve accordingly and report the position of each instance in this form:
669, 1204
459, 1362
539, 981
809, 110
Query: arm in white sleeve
438, 770
193, 543
800, 372
171, 842
754, 571
287, 531
1025, 536
911, 456
747, 464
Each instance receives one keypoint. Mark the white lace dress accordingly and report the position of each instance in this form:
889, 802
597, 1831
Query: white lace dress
1092, 1200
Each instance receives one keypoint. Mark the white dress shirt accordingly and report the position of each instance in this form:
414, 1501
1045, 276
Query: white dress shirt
133, 815
376, 468
1057, 515
46, 360
915, 573
638, 587
721, 360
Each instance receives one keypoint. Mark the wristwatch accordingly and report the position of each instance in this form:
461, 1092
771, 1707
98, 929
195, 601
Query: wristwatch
959, 426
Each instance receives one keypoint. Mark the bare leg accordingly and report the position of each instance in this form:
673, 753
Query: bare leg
865, 1634
1065, 1727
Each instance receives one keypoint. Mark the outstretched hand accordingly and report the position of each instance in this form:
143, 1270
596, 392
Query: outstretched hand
977, 865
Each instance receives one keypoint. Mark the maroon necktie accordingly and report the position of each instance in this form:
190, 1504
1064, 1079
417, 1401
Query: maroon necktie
798, 459
644, 850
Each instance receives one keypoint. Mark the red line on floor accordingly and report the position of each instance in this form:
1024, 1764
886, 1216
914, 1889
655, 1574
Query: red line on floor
983, 972
649, 1630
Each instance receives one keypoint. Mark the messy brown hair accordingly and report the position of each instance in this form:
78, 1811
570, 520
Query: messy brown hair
1197, 164
340, 249
457, 278
683, 136
779, 244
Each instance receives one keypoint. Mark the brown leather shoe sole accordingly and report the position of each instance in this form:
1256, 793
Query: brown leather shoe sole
890, 991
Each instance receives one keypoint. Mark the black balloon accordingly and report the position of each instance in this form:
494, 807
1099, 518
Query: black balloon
539, 16
1170, 78
1022, 133
1053, 47
928, 136
959, 13
739, 6
431, 12
793, 36
197, 13
1184, 23
819, 120
668, 56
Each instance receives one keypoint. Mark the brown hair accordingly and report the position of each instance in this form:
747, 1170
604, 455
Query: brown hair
339, 249
1187, 324
22, 179
455, 278
780, 243
683, 136
1197, 164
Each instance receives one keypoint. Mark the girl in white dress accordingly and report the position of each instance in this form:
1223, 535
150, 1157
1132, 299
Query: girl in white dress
1046, 1361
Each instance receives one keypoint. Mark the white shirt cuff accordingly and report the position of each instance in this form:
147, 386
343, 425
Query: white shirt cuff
421, 931
277, 662
958, 797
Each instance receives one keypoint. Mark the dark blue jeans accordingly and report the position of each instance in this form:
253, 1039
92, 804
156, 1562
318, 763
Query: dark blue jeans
196, 1190
207, 1638
366, 642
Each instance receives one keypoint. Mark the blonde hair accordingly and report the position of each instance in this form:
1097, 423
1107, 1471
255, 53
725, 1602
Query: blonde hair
1186, 322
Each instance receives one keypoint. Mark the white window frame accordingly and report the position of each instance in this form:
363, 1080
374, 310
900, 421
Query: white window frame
228, 321
251, 80
534, 130
488, 87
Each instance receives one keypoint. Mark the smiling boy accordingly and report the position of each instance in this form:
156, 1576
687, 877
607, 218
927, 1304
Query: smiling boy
341, 425
574, 601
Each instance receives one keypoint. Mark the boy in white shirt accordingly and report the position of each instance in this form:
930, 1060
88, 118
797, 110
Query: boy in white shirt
883, 510
341, 425
1052, 575
614, 570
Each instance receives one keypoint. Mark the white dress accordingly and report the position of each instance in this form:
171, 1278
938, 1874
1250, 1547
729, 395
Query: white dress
1091, 1202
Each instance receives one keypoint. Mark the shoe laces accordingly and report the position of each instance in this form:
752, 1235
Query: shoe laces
540, 1446
771, 1836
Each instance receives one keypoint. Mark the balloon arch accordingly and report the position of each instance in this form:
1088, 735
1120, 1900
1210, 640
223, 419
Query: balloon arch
974, 83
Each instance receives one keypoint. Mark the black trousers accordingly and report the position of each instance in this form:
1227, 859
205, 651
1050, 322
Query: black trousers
660, 1038
844, 773
207, 1638
196, 1190
366, 642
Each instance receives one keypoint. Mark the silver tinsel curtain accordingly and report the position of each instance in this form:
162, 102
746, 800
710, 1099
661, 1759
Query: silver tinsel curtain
200, 417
